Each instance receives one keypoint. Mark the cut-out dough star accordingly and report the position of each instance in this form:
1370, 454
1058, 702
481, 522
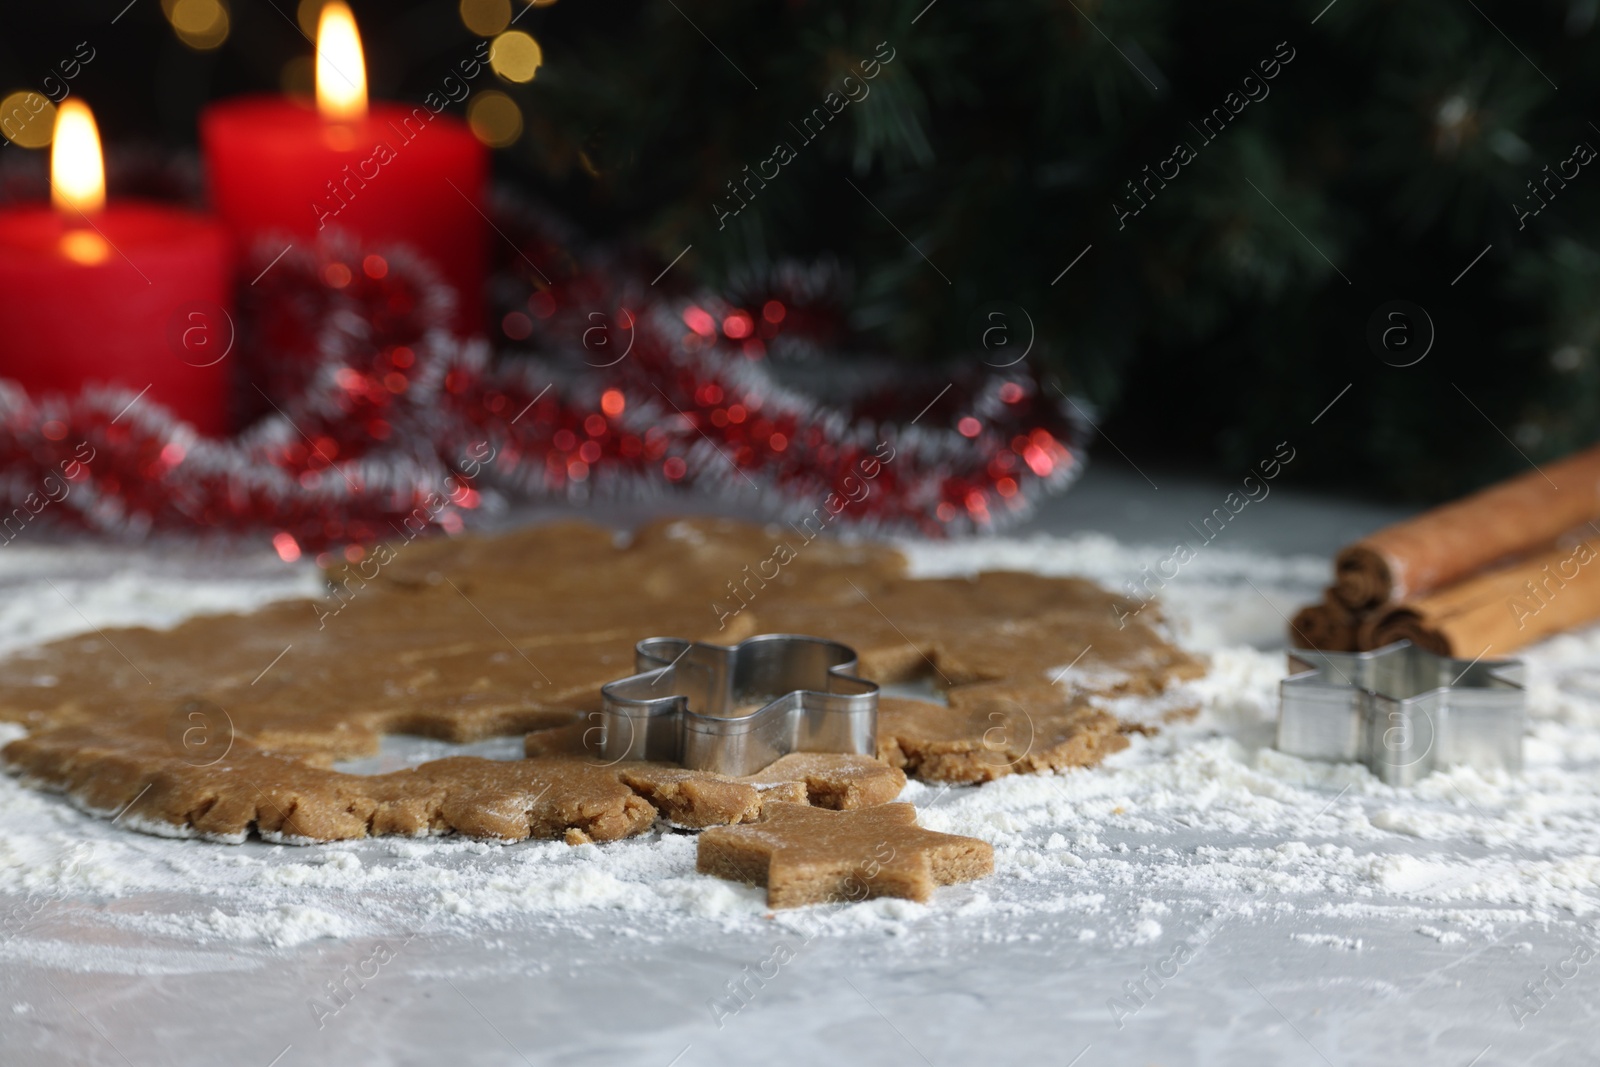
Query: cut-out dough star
806, 855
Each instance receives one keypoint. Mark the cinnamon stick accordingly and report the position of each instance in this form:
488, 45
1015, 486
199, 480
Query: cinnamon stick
1327, 626
1450, 542
1501, 610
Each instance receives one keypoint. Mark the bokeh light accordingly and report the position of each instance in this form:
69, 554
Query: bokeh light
486, 17
27, 118
515, 56
201, 24
307, 15
495, 118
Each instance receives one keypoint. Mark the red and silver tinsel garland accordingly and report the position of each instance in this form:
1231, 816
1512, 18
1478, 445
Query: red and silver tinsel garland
368, 419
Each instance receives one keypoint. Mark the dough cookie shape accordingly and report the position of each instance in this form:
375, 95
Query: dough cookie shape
232, 723
806, 855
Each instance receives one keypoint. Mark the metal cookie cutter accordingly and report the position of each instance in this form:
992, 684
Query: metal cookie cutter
1403, 711
733, 710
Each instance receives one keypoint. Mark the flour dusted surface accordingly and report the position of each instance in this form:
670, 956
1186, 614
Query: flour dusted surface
1197, 831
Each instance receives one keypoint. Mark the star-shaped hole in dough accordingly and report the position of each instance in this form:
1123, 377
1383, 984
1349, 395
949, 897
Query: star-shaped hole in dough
806, 855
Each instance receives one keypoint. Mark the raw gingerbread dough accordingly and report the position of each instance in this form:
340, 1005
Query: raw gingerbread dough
135, 777
825, 780
228, 723
994, 729
701, 798
804, 855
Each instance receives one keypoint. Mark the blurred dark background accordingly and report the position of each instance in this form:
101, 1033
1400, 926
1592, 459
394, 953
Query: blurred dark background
1393, 147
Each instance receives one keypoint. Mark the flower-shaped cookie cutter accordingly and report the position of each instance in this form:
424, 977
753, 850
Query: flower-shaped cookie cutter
1403, 711
735, 709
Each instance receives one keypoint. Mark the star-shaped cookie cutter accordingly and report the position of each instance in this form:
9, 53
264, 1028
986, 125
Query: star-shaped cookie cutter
1403, 711
735, 709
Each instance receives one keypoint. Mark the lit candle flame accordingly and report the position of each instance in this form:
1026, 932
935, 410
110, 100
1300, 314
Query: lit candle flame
77, 173
341, 68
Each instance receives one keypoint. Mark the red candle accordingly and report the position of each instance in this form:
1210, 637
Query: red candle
281, 171
133, 294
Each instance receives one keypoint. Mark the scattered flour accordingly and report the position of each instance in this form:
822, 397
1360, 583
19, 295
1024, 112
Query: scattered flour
1201, 825
1345, 944
287, 924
